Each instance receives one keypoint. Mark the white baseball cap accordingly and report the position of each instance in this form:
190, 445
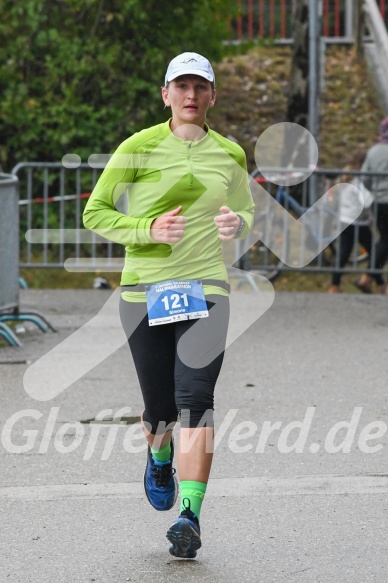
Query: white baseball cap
189, 64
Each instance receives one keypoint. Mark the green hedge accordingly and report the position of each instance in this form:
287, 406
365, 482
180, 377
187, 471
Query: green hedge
82, 75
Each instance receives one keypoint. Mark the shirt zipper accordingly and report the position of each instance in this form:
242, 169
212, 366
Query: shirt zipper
190, 165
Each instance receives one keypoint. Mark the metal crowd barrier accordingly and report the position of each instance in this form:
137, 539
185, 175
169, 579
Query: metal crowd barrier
53, 198
52, 201
280, 241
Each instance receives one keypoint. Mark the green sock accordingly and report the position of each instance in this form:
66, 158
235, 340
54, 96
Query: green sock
194, 492
163, 454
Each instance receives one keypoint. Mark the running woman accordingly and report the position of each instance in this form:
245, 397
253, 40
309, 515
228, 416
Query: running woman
187, 190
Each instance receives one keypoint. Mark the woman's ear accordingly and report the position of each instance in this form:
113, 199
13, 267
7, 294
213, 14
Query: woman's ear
213, 99
165, 98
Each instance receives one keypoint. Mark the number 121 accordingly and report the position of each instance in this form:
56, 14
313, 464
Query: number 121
175, 301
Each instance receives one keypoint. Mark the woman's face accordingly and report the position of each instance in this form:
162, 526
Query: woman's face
189, 97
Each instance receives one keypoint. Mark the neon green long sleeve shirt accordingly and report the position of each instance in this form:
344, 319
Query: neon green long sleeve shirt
158, 172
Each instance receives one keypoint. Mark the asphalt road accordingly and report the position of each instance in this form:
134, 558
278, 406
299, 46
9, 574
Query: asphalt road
298, 490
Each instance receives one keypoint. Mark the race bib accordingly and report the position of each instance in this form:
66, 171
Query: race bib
175, 300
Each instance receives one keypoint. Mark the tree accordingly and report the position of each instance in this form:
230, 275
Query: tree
82, 75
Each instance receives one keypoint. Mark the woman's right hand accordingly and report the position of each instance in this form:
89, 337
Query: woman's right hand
169, 227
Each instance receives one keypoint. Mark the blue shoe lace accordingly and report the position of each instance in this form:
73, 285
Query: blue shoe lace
185, 534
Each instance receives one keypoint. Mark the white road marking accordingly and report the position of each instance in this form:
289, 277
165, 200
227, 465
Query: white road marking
320, 485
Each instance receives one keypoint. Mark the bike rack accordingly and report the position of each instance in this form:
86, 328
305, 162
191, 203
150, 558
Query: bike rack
30, 316
6, 332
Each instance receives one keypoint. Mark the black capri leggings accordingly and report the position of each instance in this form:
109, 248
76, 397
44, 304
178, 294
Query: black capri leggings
177, 364
346, 243
382, 244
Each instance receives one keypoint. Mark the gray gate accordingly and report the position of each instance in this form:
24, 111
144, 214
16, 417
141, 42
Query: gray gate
9, 242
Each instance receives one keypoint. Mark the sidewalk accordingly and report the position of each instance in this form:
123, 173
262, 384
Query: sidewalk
72, 504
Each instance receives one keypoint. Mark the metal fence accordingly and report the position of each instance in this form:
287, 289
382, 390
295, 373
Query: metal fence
291, 234
52, 199
263, 19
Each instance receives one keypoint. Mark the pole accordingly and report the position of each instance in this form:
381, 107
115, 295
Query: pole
358, 27
349, 19
313, 67
313, 100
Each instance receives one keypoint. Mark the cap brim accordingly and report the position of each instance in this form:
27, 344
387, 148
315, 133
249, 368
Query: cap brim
202, 74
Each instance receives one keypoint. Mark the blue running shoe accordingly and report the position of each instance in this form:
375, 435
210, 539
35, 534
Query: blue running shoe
160, 483
184, 534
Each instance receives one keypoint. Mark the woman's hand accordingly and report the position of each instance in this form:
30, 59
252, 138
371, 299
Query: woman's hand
227, 223
169, 227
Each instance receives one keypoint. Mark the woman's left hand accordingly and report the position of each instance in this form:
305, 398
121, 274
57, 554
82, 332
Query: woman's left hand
227, 223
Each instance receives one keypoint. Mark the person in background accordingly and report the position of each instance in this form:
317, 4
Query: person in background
377, 161
357, 231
